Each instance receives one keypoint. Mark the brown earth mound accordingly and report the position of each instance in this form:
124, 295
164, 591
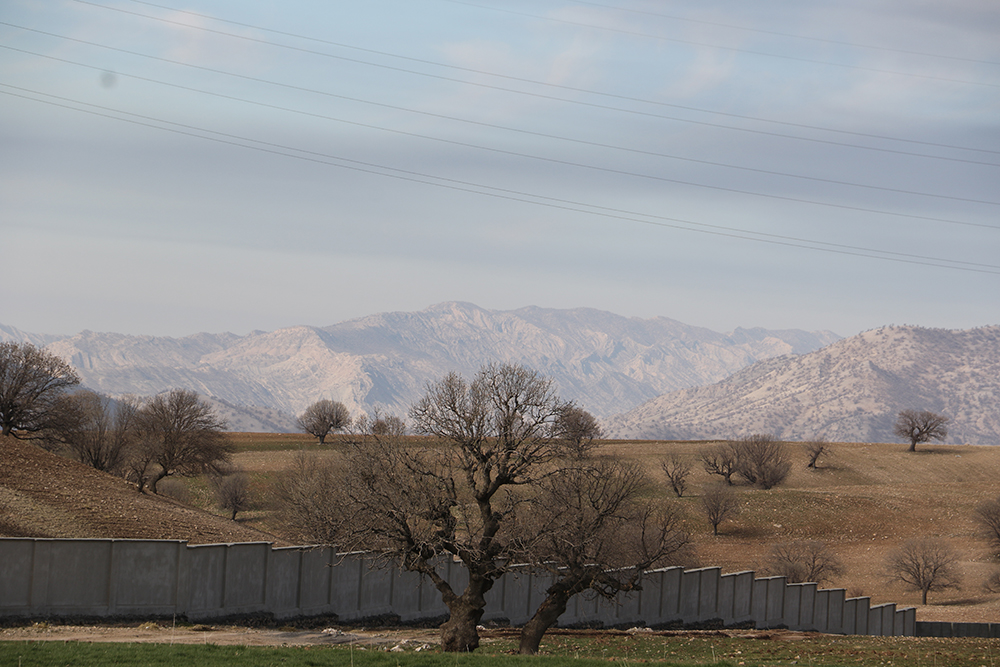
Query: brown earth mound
45, 495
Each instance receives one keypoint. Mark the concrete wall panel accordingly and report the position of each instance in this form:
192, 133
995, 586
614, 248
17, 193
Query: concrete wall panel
376, 588
206, 583
807, 606
79, 576
16, 560
406, 595
316, 566
708, 595
821, 619
246, 577
743, 587
283, 581
144, 575
690, 594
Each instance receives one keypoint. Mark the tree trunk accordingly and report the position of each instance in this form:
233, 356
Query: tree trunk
459, 633
925, 596
151, 484
545, 617
913, 445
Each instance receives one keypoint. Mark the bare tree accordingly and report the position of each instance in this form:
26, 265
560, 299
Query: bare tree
719, 503
100, 432
183, 436
920, 426
309, 498
31, 381
988, 517
232, 491
324, 416
380, 425
924, 565
762, 460
804, 560
454, 495
815, 450
588, 527
579, 428
677, 472
720, 460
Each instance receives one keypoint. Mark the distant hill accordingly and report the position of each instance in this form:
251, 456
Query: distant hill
606, 362
45, 495
850, 391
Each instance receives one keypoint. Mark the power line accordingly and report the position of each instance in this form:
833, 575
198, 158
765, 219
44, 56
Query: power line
572, 163
502, 193
812, 38
497, 75
519, 92
734, 49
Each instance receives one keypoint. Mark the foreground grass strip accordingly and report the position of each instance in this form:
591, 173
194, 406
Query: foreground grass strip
558, 651
80, 654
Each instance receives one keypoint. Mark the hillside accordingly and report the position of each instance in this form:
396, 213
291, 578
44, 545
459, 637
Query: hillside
606, 362
45, 495
850, 391
864, 501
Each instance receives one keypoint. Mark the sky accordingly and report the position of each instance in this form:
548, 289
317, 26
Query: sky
177, 166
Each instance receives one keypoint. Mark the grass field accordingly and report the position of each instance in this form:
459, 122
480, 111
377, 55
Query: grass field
558, 651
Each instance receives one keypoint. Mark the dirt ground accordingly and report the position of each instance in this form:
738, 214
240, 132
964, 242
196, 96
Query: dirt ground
387, 638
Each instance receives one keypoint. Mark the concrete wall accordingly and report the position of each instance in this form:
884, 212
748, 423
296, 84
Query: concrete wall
142, 578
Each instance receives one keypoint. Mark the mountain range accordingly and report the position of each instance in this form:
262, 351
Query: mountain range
607, 363
849, 391
651, 378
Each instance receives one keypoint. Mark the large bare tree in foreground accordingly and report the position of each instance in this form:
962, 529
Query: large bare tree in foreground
469, 492
589, 528
31, 382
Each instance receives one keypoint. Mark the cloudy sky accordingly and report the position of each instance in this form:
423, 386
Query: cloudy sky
179, 166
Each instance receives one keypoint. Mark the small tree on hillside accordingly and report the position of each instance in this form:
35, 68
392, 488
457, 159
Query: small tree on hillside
804, 560
924, 565
720, 460
815, 450
182, 436
309, 498
31, 381
324, 416
719, 503
232, 491
98, 431
761, 460
920, 426
578, 428
677, 472
988, 517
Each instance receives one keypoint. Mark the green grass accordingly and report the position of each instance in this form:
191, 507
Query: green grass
557, 651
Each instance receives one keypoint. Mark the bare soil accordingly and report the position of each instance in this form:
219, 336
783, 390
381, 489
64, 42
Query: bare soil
45, 495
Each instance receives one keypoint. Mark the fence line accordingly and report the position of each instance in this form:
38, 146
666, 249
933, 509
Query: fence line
142, 578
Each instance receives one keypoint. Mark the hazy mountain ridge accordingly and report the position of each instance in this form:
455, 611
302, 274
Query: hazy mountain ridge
606, 362
850, 391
